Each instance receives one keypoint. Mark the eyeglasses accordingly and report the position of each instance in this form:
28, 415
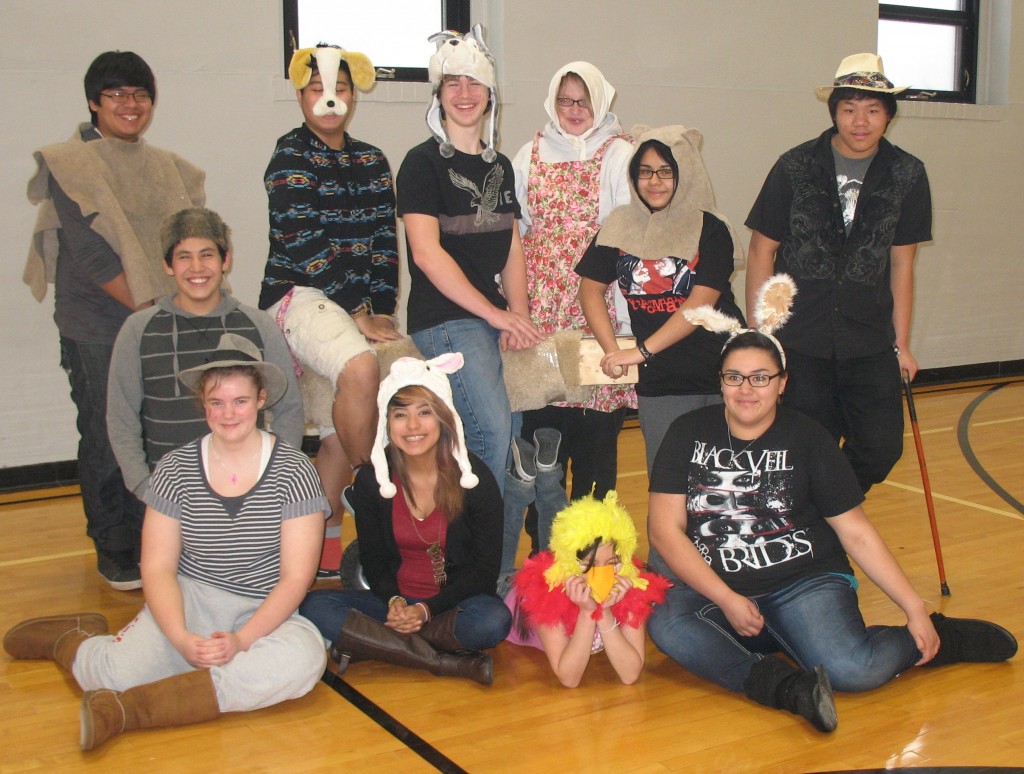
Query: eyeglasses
122, 97
760, 381
665, 173
568, 102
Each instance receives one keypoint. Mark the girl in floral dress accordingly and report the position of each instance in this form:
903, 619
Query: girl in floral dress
568, 179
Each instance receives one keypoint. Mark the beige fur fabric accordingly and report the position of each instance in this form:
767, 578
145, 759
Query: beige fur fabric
131, 187
534, 377
674, 231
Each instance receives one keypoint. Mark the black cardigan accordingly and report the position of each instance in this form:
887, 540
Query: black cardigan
472, 546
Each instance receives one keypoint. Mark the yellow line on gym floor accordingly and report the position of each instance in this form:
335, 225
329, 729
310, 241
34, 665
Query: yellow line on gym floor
46, 558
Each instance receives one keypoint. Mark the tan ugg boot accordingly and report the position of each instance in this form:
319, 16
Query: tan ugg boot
174, 701
53, 637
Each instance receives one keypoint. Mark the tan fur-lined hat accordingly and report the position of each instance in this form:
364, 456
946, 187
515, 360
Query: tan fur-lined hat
196, 222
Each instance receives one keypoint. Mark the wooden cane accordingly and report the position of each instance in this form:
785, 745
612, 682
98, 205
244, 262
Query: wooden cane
924, 481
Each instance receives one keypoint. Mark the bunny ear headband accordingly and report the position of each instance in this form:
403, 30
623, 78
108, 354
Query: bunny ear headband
772, 309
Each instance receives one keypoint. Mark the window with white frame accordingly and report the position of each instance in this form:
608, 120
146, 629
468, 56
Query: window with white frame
932, 47
393, 33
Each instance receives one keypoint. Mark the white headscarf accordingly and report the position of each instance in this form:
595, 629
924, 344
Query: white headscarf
601, 94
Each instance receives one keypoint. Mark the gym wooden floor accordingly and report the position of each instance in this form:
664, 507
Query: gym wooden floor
386, 719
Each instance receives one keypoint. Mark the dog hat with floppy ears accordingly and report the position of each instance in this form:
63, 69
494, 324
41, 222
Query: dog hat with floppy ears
432, 374
328, 60
462, 55
772, 309
860, 71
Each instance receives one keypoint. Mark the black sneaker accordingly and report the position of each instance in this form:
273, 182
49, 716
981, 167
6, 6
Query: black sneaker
547, 440
971, 640
119, 571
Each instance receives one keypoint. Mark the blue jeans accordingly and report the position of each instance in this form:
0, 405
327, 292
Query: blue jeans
815, 620
548, 492
483, 621
113, 514
478, 388
859, 400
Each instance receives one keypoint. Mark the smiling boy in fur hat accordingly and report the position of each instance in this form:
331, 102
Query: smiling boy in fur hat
149, 412
843, 214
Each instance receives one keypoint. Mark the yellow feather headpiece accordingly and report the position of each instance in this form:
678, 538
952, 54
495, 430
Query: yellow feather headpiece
579, 525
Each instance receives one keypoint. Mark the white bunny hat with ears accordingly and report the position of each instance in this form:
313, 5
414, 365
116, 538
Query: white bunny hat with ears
771, 311
432, 374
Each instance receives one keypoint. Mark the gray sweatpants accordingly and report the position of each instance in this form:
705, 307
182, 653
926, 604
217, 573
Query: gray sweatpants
656, 414
285, 664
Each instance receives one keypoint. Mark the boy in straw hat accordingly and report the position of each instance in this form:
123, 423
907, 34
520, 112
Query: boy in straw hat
149, 412
843, 215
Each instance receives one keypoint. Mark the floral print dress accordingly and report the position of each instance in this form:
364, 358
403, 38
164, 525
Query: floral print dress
564, 203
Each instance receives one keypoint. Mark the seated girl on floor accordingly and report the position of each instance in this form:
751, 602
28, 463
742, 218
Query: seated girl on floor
429, 522
230, 544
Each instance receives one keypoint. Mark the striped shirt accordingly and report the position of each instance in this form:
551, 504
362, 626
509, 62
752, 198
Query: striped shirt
234, 543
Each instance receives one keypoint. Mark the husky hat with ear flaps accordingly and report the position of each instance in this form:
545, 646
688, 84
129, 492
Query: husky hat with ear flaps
432, 374
772, 309
462, 55
328, 61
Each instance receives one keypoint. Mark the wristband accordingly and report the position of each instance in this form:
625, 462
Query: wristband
360, 311
426, 611
391, 602
646, 353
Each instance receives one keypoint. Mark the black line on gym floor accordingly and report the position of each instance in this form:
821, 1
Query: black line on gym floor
415, 743
962, 435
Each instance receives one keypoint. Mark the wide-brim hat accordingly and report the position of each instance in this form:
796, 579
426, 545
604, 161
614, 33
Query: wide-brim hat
863, 72
235, 350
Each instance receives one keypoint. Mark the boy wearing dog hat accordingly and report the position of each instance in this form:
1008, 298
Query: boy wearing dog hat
149, 412
331, 279
843, 215
102, 196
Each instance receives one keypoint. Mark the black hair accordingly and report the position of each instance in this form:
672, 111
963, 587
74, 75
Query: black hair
664, 153
588, 553
846, 92
114, 69
752, 340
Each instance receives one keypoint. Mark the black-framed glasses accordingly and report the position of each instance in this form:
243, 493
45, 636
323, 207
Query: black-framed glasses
123, 96
664, 173
760, 381
568, 102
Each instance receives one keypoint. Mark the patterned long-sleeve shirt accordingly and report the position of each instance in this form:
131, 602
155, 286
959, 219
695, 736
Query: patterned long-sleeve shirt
332, 223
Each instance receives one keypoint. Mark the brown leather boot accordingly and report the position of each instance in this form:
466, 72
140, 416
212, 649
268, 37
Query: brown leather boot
174, 701
440, 632
54, 637
367, 638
